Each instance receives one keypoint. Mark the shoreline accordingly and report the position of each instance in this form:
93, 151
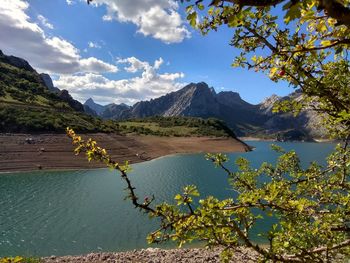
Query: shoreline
315, 140
54, 152
155, 255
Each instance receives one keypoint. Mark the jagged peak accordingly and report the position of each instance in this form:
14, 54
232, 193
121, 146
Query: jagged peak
272, 99
202, 84
89, 100
125, 105
196, 85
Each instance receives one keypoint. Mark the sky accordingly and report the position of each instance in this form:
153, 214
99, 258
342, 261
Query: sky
123, 51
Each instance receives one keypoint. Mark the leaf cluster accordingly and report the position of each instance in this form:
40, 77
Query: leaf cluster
308, 50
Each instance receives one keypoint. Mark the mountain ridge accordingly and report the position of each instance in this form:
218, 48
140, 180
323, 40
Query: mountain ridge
21, 85
199, 100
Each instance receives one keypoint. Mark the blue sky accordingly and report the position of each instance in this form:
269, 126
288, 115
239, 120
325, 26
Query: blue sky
124, 51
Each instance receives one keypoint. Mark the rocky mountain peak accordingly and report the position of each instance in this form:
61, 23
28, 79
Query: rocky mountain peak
94, 106
16, 62
48, 82
89, 100
267, 105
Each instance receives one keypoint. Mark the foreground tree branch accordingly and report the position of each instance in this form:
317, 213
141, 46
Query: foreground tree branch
310, 205
296, 201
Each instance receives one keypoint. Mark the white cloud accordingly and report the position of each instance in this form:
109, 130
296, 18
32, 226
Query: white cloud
158, 63
135, 64
94, 45
43, 20
156, 18
70, 2
147, 85
95, 65
21, 37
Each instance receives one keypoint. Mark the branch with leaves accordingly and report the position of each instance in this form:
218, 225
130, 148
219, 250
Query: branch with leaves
309, 50
336, 9
310, 206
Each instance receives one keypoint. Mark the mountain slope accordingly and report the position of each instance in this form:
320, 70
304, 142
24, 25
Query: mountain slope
94, 106
198, 100
28, 104
306, 125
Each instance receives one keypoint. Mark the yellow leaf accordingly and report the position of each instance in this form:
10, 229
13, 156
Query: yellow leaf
326, 43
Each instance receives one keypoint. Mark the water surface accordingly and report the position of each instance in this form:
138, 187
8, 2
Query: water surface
76, 212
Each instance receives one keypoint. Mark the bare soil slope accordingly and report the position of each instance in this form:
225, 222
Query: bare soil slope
25, 152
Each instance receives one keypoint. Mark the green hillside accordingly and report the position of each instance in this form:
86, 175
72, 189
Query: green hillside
22, 87
27, 105
176, 126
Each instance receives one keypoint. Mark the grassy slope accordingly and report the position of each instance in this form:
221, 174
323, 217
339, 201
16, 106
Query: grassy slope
26, 105
176, 126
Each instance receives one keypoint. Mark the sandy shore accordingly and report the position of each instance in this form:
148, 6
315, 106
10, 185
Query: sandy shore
155, 255
26, 152
256, 139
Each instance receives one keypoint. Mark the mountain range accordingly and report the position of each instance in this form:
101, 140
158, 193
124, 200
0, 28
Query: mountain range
199, 100
21, 85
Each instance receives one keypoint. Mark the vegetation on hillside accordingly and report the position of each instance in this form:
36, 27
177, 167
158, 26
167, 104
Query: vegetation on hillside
176, 126
19, 118
21, 86
27, 118
311, 205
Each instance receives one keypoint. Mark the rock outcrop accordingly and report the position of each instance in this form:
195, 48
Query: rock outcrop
64, 95
48, 82
16, 62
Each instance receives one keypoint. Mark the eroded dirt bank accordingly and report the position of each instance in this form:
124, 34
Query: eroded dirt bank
26, 152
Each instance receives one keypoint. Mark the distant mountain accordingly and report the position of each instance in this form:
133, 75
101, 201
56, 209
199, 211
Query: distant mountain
199, 100
94, 106
115, 111
195, 100
110, 111
306, 125
29, 101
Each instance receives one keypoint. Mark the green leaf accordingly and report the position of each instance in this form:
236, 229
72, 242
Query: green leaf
293, 12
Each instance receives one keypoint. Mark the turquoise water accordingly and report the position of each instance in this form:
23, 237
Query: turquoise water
75, 212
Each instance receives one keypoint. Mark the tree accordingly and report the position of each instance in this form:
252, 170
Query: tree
309, 50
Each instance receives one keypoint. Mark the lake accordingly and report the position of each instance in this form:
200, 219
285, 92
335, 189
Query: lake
76, 212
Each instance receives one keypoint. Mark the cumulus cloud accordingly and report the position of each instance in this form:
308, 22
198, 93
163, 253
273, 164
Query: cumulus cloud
43, 20
156, 18
147, 85
21, 37
92, 64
